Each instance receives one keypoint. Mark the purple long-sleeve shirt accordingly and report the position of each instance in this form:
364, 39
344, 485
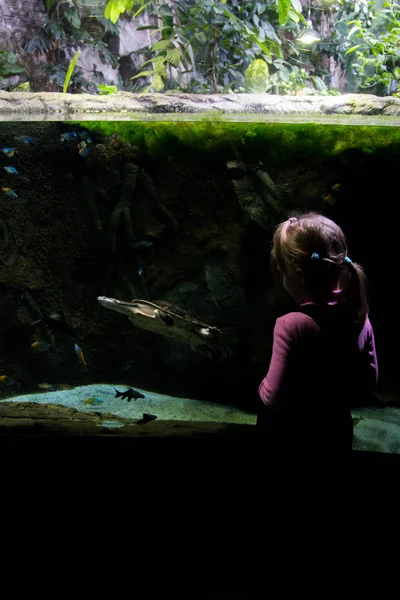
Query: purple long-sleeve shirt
318, 362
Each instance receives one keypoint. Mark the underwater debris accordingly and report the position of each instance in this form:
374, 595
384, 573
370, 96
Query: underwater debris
4, 235
147, 417
37, 314
163, 211
256, 201
129, 394
88, 189
122, 213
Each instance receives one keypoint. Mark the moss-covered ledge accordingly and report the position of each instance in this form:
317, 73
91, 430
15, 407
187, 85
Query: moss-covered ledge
349, 109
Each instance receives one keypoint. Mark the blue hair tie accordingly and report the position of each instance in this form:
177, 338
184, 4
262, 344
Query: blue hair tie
347, 260
314, 256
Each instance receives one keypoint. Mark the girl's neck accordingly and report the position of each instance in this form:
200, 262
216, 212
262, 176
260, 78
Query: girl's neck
329, 298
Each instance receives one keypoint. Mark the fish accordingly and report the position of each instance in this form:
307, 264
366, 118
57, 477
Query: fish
26, 139
83, 151
143, 244
11, 170
8, 151
3, 378
147, 417
79, 354
65, 386
336, 186
93, 401
85, 136
9, 192
129, 394
127, 365
46, 386
70, 135
140, 270
40, 346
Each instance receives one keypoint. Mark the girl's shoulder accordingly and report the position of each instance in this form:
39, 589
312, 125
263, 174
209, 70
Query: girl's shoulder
296, 322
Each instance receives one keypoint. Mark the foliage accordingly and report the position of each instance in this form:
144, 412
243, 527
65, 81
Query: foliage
105, 90
377, 49
9, 64
223, 35
71, 26
70, 70
256, 77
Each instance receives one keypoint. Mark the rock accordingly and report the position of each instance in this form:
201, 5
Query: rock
347, 109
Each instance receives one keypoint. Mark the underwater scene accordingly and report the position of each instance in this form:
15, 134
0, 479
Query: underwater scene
136, 295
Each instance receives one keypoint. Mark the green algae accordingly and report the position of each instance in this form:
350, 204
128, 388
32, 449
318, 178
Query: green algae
271, 142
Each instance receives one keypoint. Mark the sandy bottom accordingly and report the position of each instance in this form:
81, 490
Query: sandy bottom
164, 407
375, 429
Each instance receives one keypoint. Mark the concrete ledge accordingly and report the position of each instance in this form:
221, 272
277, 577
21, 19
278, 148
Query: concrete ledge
356, 109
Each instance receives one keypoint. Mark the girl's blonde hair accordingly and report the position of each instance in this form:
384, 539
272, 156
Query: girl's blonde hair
318, 247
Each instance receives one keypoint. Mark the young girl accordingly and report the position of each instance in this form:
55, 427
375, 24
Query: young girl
323, 356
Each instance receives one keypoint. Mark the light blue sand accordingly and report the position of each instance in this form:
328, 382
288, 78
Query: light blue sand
377, 431
164, 407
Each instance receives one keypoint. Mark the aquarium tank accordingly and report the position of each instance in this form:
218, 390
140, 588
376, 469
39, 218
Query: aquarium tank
149, 150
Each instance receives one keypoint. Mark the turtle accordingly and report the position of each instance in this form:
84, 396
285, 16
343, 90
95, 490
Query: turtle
171, 322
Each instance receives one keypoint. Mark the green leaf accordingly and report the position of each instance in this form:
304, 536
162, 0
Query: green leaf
141, 9
174, 57
157, 83
201, 37
49, 4
353, 30
105, 90
256, 77
352, 49
143, 74
113, 10
70, 70
297, 6
162, 45
284, 7
73, 17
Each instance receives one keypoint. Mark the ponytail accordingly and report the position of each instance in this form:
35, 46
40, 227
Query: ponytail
354, 286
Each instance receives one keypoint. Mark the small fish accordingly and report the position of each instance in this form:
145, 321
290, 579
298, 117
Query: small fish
46, 386
65, 386
147, 417
70, 135
8, 151
3, 378
143, 244
83, 151
79, 354
9, 192
127, 365
85, 136
140, 270
336, 186
40, 346
130, 394
11, 170
93, 401
26, 139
